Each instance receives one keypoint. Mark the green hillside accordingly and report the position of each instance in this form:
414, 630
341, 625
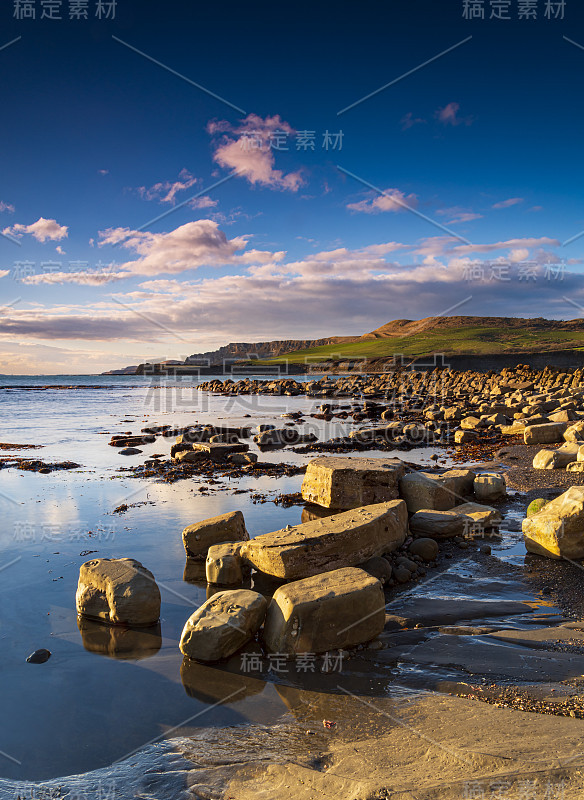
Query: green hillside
463, 339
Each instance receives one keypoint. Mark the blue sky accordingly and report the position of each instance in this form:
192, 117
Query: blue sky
451, 191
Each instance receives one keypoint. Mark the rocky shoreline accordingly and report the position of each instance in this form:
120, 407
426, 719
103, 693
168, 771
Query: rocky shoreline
391, 574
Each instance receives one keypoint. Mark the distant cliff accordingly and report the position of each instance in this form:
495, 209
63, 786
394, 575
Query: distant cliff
242, 351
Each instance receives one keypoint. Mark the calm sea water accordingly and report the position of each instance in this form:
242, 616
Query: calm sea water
103, 694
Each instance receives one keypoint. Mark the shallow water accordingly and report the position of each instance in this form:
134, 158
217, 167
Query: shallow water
107, 692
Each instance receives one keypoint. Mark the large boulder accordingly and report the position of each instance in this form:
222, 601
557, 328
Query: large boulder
223, 624
118, 591
426, 490
548, 433
344, 483
556, 459
479, 515
322, 545
575, 433
198, 537
338, 609
558, 529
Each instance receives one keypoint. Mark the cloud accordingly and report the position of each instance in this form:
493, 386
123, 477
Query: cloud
80, 278
193, 245
390, 200
248, 149
6, 207
103, 171
4, 273
60, 250
203, 202
42, 230
513, 201
458, 215
408, 121
449, 115
166, 191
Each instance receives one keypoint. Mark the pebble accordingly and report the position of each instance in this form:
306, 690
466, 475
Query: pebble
39, 656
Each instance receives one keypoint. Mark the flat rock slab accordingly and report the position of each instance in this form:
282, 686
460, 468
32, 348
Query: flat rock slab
331, 611
217, 451
542, 637
487, 658
345, 483
341, 540
440, 611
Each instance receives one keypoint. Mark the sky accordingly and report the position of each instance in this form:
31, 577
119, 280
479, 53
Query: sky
177, 176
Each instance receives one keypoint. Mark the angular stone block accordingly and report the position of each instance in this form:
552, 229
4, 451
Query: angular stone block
344, 483
198, 537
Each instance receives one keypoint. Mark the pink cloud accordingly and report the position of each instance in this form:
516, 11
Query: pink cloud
41, 230
166, 191
449, 115
248, 148
513, 201
390, 200
458, 215
408, 121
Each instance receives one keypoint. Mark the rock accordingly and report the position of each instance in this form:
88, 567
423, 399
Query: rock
189, 456
242, 459
459, 481
558, 529
130, 451
39, 656
575, 433
427, 549
326, 612
438, 524
379, 568
402, 574
219, 452
549, 433
346, 483
489, 486
481, 515
402, 561
368, 435
277, 438
556, 459
465, 437
341, 540
223, 624
423, 490
535, 506
575, 466
118, 591
198, 537
224, 564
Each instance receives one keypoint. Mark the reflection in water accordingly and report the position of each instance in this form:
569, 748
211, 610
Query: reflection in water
195, 571
218, 684
119, 641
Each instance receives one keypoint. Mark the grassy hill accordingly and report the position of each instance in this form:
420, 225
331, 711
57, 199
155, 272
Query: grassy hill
451, 336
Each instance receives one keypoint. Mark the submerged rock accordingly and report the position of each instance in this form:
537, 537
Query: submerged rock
39, 656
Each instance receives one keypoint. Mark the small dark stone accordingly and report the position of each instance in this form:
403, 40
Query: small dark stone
130, 451
39, 656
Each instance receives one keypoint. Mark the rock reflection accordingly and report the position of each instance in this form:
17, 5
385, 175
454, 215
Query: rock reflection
119, 641
310, 513
219, 683
194, 571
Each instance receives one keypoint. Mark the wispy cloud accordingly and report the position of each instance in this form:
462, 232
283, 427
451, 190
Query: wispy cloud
408, 121
458, 215
42, 230
391, 200
166, 191
247, 148
512, 201
6, 207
